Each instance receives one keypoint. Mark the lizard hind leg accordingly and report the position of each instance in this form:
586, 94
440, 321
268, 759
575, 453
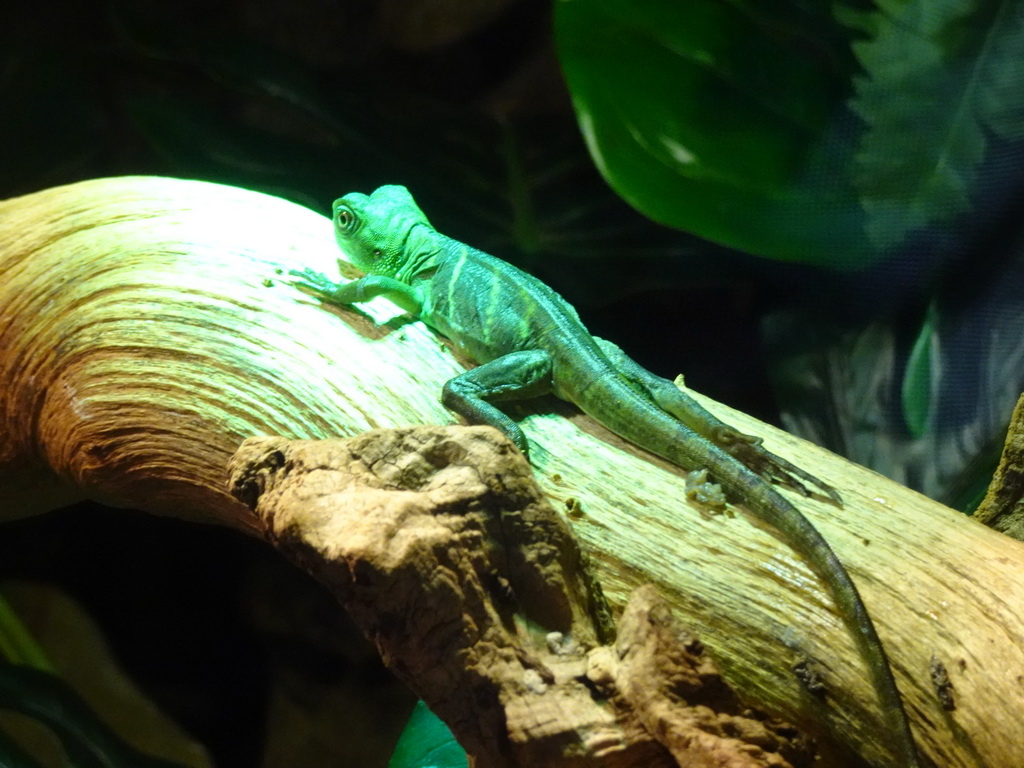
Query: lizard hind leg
747, 449
515, 376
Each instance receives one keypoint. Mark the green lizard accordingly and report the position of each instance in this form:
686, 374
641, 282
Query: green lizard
529, 341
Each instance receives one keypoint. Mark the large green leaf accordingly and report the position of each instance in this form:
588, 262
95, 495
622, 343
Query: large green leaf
711, 118
941, 77
758, 132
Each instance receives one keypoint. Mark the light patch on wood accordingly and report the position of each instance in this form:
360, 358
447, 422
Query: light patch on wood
140, 344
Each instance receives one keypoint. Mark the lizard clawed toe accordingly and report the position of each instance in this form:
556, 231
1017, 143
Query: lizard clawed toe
750, 450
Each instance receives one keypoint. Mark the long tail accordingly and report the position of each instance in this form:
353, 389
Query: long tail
775, 509
635, 414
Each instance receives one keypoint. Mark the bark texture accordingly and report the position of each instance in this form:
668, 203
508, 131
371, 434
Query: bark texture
1003, 505
145, 333
443, 549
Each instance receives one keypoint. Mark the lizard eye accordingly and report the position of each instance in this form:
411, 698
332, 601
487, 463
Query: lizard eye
345, 220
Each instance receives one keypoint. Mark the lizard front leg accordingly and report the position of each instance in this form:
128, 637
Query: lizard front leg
515, 376
357, 291
747, 449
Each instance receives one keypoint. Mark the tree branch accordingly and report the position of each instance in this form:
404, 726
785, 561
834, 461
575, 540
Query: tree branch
144, 333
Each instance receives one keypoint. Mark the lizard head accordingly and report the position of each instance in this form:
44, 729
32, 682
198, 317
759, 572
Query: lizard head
373, 230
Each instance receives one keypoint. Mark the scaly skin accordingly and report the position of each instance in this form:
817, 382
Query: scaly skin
529, 341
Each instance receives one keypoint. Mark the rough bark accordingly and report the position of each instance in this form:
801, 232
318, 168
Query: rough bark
444, 551
1003, 505
145, 333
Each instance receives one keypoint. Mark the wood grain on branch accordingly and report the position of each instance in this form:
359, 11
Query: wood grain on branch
145, 333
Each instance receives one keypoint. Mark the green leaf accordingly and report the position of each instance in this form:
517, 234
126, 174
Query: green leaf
426, 742
932, 416
940, 75
88, 742
711, 118
17, 644
920, 387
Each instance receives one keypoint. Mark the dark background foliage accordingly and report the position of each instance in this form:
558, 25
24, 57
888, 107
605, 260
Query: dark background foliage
886, 324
